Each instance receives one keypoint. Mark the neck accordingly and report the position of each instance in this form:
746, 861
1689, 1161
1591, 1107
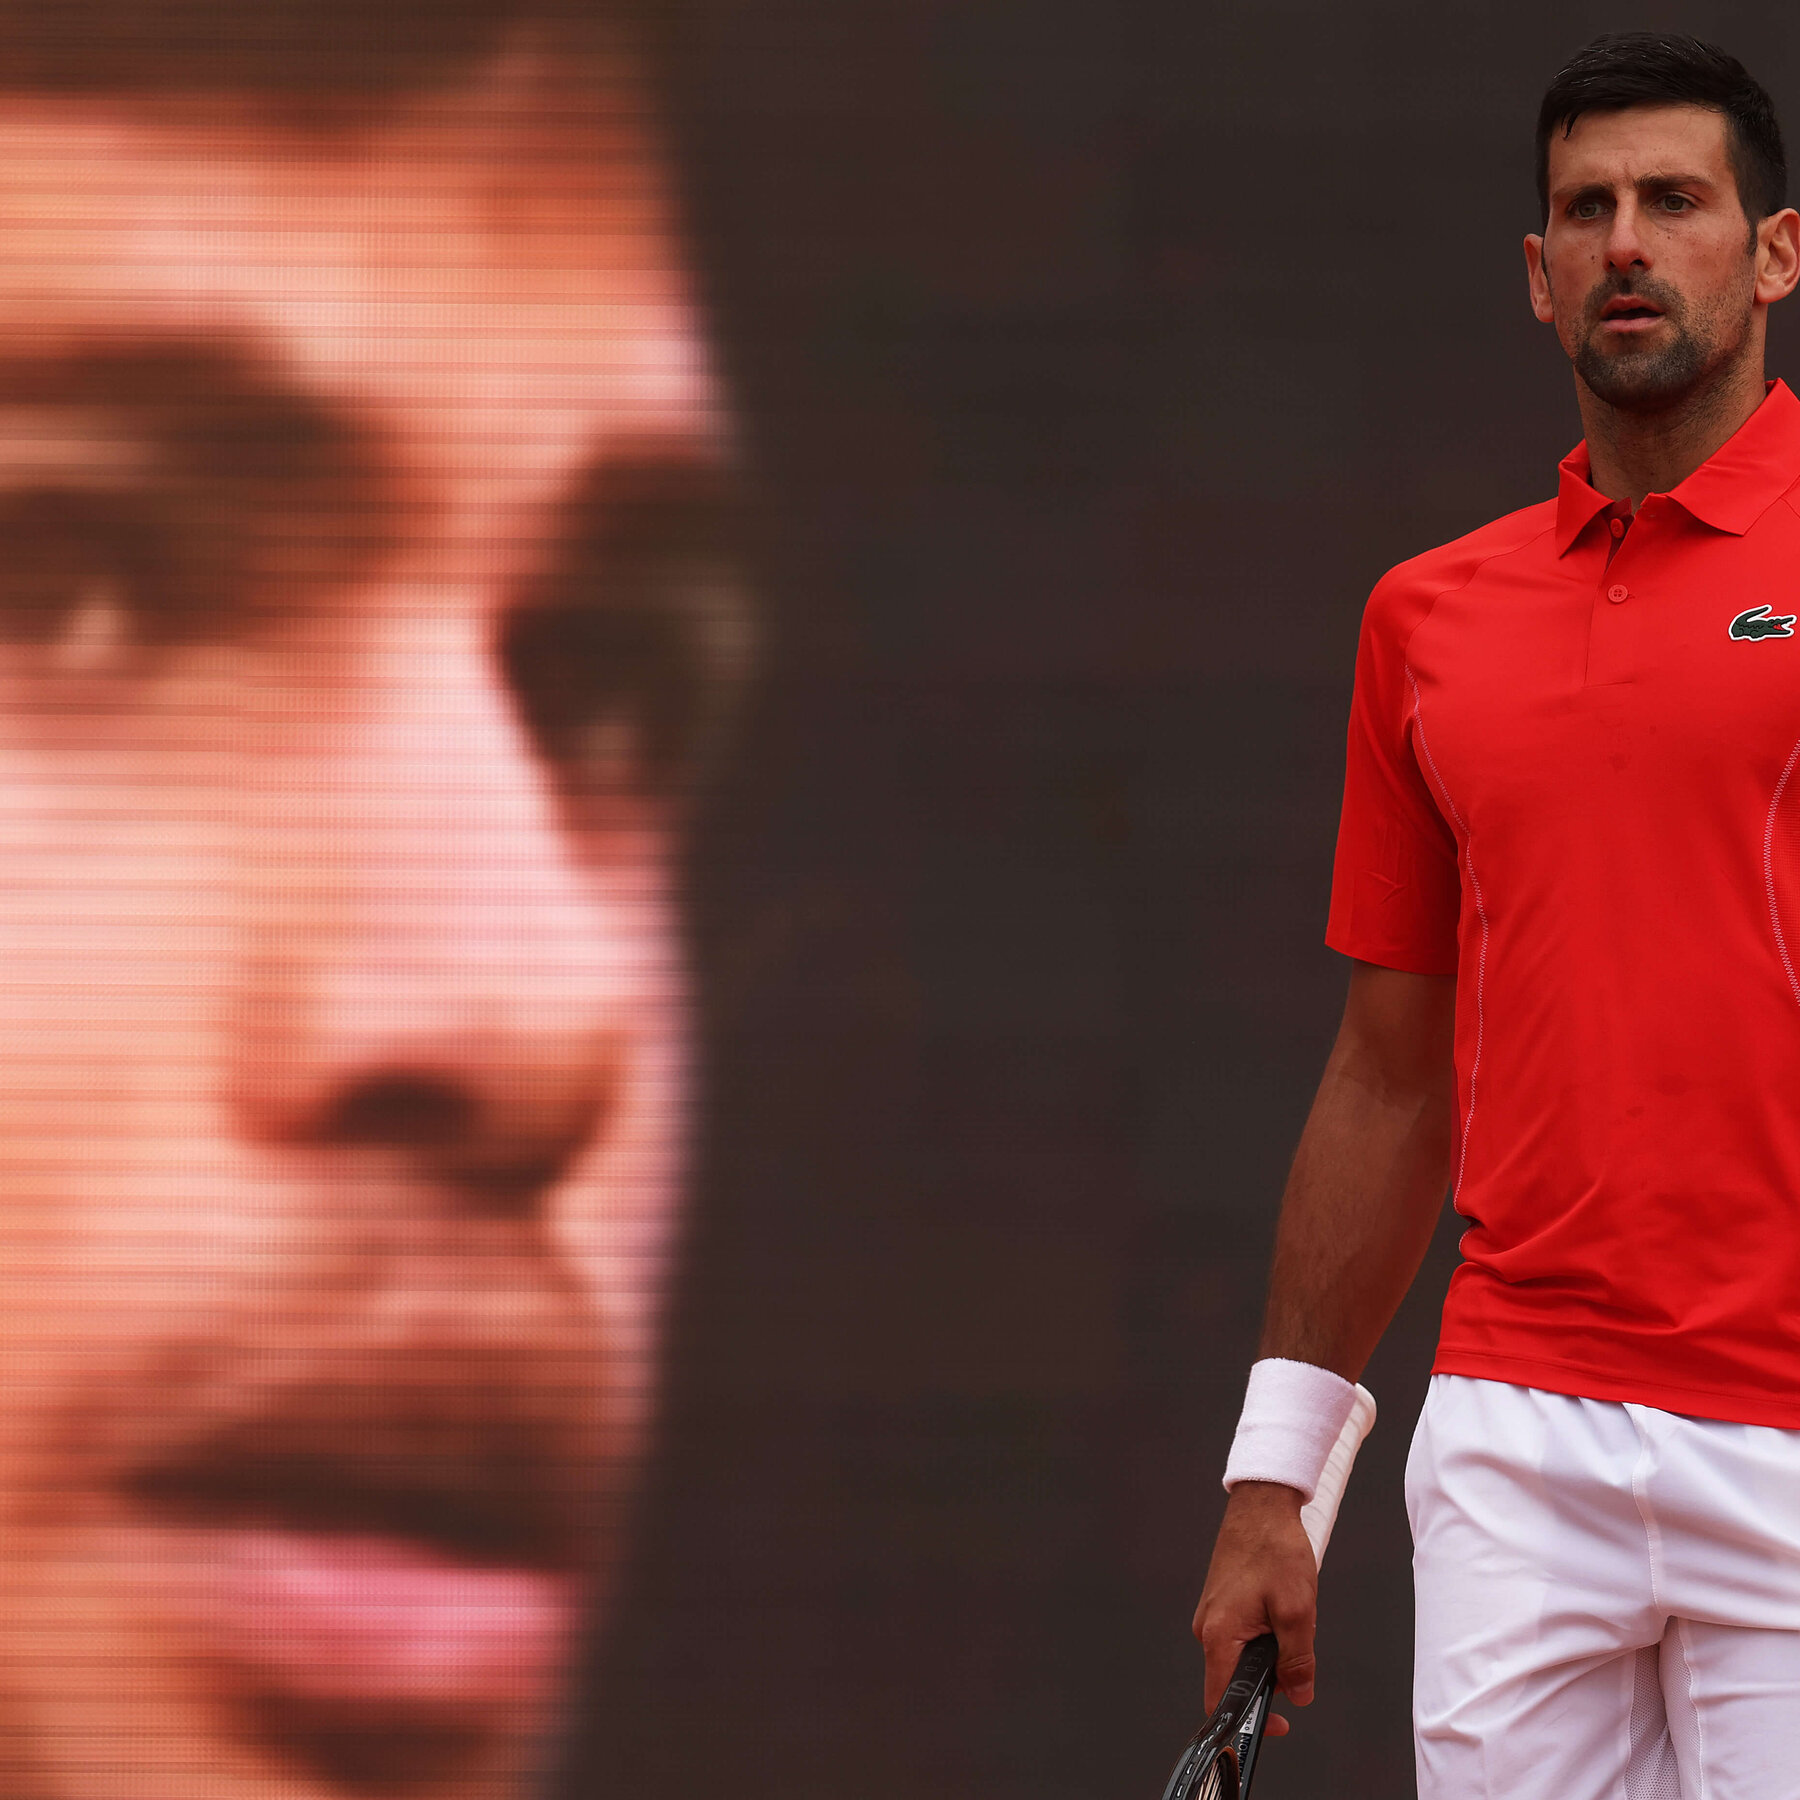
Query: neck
1632, 454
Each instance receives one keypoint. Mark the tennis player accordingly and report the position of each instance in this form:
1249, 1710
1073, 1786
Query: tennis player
1569, 879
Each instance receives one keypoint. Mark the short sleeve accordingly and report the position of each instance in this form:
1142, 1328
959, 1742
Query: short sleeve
1396, 893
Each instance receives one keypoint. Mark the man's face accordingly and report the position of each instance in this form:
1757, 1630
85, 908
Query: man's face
1647, 266
349, 482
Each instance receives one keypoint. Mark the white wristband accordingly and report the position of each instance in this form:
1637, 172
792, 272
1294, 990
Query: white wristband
1294, 1413
1319, 1514
1301, 1426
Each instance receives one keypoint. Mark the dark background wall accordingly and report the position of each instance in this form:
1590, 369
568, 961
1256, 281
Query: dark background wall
1100, 354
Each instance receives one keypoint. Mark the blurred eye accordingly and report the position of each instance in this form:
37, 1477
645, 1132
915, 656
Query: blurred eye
87, 576
620, 687
1585, 209
1677, 203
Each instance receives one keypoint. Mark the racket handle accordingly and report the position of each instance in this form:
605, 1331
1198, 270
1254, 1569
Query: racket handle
1319, 1514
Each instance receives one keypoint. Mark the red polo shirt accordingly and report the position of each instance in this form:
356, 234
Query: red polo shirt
1574, 782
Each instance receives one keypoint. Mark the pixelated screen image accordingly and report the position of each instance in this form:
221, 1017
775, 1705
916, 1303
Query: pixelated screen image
672, 683
370, 611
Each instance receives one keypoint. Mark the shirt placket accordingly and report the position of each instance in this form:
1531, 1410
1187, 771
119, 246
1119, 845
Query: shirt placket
1616, 624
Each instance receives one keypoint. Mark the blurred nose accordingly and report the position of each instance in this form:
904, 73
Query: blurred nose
439, 975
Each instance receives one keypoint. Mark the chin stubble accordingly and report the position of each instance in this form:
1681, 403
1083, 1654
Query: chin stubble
1646, 381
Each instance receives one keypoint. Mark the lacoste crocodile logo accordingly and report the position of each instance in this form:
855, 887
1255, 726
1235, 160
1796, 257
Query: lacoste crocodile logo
1756, 623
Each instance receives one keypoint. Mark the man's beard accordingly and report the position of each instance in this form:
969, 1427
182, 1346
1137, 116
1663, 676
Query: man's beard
1652, 381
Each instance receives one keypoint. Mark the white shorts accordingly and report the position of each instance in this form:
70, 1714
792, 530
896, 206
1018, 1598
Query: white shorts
1608, 1600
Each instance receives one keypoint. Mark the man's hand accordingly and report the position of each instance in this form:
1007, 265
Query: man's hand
1262, 1578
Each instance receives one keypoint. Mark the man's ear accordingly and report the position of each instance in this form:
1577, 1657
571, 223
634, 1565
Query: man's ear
1777, 256
1542, 306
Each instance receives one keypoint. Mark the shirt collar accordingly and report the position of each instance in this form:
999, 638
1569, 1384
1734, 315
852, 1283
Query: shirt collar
1730, 491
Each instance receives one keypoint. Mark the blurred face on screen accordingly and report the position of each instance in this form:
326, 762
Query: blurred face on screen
359, 520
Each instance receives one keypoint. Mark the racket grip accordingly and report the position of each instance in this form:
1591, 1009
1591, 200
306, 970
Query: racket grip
1319, 1514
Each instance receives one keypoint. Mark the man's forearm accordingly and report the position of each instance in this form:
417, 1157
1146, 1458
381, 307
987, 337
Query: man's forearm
1364, 1193
1367, 1183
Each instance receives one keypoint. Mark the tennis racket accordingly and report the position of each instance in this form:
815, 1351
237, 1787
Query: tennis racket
1221, 1755
1218, 1763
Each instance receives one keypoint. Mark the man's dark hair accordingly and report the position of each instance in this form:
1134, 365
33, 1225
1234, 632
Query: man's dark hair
1651, 68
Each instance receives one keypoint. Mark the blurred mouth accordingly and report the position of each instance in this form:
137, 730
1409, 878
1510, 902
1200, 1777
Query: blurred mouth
408, 1582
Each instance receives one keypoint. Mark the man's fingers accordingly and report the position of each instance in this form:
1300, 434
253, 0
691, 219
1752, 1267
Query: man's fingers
1294, 1664
1223, 1647
1223, 1636
1294, 1676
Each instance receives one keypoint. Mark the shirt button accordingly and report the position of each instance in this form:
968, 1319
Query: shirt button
1618, 527
1616, 594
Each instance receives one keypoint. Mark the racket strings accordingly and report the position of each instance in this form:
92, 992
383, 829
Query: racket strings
1213, 1778
1220, 1780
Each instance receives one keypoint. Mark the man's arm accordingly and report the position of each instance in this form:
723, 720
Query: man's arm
1362, 1200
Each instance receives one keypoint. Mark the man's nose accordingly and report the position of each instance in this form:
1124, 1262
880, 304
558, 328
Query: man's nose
437, 973
1625, 244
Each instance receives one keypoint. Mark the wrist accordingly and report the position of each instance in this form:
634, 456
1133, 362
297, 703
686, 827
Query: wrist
1275, 1495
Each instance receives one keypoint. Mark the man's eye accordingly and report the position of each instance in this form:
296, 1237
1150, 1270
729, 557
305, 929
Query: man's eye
1586, 209
82, 575
621, 693
1676, 203
602, 690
